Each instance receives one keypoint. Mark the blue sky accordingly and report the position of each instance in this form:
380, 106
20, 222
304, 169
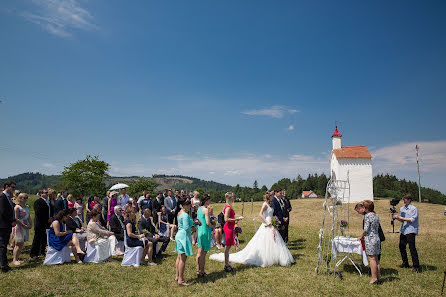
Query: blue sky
231, 91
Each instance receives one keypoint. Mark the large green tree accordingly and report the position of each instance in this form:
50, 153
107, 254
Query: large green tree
86, 177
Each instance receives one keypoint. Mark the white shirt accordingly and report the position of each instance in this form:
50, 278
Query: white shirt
122, 200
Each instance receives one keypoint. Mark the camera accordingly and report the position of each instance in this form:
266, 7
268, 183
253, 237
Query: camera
394, 203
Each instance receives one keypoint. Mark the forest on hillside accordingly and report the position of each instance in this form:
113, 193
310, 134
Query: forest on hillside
384, 186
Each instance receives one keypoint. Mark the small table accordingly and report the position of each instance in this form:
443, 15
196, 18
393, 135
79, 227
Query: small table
347, 245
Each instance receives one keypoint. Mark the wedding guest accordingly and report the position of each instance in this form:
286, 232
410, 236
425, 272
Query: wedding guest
371, 240
116, 223
79, 205
195, 201
52, 196
21, 229
165, 228
177, 209
89, 209
42, 221
142, 197
94, 202
286, 213
156, 207
112, 202
228, 228
105, 205
7, 222
144, 202
171, 204
16, 194
183, 244
218, 235
134, 204
360, 209
123, 198
58, 238
61, 203
145, 224
409, 229
74, 223
102, 221
129, 204
204, 234
70, 201
134, 240
103, 240
278, 206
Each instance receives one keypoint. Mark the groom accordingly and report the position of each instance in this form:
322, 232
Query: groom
279, 211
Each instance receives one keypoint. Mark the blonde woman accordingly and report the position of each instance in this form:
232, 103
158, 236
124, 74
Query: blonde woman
21, 229
70, 201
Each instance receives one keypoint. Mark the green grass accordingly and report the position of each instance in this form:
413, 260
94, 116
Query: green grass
110, 279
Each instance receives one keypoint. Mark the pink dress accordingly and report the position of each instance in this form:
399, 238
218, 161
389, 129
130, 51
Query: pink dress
229, 227
70, 204
111, 211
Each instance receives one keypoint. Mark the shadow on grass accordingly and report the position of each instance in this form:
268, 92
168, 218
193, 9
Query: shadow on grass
213, 276
297, 244
428, 268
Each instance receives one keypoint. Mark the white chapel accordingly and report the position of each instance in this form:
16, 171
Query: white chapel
356, 162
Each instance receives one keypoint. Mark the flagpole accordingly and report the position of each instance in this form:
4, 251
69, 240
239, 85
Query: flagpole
419, 184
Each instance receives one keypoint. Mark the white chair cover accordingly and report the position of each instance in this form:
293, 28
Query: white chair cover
132, 255
54, 257
120, 246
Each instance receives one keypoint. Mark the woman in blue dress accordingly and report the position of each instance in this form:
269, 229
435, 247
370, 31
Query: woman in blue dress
58, 238
183, 243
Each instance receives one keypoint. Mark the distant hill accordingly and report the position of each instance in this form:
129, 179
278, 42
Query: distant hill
31, 182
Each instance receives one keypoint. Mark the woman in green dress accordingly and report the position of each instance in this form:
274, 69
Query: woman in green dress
204, 233
183, 243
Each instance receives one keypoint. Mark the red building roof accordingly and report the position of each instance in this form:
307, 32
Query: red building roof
306, 193
336, 133
352, 152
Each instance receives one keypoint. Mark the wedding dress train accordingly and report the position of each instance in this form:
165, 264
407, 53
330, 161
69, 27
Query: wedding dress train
266, 248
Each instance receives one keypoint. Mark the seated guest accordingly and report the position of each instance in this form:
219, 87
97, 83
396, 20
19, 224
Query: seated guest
145, 224
117, 223
165, 228
58, 238
102, 221
89, 208
101, 238
133, 239
74, 224
23, 224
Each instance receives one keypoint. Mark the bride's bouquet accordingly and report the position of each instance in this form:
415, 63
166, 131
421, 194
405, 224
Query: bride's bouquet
197, 222
275, 222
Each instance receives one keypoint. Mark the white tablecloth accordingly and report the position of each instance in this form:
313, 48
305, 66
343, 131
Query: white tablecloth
344, 244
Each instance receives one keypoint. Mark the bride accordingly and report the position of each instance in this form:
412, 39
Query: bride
266, 247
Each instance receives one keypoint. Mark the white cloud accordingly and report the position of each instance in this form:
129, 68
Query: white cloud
290, 128
48, 165
276, 111
432, 156
176, 158
59, 17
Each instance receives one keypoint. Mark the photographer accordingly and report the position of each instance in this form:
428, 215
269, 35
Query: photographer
409, 229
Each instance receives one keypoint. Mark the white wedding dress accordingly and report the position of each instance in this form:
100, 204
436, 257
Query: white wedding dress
266, 247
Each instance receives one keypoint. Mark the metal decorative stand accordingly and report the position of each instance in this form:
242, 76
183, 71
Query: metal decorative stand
336, 195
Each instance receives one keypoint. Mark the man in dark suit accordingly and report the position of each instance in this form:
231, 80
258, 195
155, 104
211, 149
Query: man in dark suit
116, 223
156, 206
41, 223
278, 207
286, 213
145, 223
61, 203
7, 221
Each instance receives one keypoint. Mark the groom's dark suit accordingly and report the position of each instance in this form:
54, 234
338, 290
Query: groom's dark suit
278, 212
6, 222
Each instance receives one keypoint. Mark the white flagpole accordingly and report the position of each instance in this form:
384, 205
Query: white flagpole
419, 184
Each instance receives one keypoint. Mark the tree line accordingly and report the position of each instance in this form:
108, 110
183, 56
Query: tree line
88, 177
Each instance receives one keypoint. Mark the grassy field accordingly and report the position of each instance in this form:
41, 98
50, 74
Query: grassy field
110, 279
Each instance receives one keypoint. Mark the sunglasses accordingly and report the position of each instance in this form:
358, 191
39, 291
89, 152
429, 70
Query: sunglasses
44, 192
